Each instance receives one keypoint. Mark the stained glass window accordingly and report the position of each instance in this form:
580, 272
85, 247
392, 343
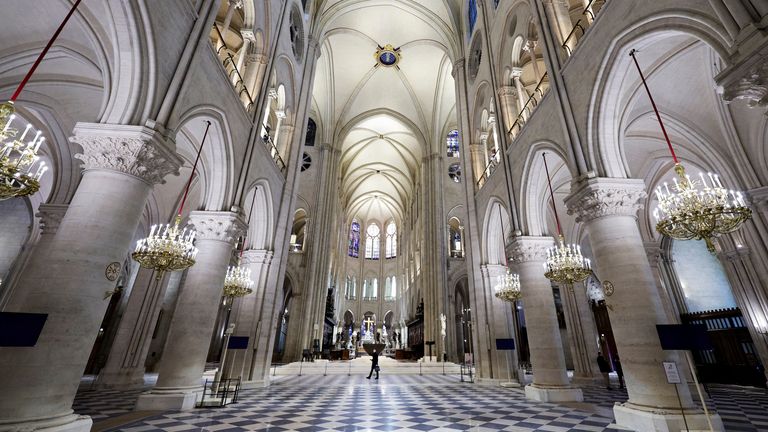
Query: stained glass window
472, 12
354, 239
391, 242
452, 143
372, 241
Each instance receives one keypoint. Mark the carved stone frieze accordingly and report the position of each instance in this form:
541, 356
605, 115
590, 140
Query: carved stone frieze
221, 226
599, 197
50, 217
529, 249
133, 150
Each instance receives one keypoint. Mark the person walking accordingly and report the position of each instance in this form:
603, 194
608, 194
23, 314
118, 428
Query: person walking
605, 368
374, 365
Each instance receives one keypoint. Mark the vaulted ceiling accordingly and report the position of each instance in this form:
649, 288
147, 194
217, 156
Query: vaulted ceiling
384, 118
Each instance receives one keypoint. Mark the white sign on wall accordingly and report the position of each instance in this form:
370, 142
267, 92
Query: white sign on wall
673, 375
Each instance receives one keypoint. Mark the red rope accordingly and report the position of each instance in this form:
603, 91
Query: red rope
653, 104
194, 168
552, 195
42, 54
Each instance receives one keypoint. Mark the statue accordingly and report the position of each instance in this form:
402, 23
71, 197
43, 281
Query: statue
442, 325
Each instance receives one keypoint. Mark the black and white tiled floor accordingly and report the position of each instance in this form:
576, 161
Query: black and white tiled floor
394, 403
401, 403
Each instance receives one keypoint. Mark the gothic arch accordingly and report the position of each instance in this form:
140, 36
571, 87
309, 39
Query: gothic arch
496, 230
534, 194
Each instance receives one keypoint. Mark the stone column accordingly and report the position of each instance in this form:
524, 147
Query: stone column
39, 384
50, 218
232, 6
183, 362
248, 317
550, 379
560, 20
608, 208
255, 65
583, 334
508, 100
501, 325
530, 46
522, 95
125, 364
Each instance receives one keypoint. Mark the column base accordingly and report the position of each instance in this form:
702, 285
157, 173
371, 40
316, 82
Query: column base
648, 419
246, 385
169, 399
580, 381
122, 381
510, 384
66, 423
541, 393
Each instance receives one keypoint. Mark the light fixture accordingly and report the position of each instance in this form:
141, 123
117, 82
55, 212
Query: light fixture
168, 248
694, 209
20, 166
238, 282
565, 263
507, 285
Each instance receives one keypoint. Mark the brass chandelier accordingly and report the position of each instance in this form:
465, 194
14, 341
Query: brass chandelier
695, 209
20, 166
508, 287
238, 282
565, 263
169, 248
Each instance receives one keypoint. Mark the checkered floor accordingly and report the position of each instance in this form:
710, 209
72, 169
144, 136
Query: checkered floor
401, 403
394, 403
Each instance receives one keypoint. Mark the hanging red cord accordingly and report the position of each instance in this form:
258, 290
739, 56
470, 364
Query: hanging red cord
552, 195
194, 168
44, 52
653, 104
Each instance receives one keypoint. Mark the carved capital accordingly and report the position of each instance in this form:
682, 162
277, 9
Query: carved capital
748, 82
134, 150
458, 66
219, 226
257, 256
510, 91
517, 72
529, 249
599, 197
50, 217
237, 4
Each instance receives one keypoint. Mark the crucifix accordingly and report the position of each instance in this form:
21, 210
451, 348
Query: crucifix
368, 325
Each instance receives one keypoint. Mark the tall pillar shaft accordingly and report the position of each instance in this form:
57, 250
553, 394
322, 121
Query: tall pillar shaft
121, 165
183, 362
550, 380
501, 323
608, 208
125, 364
583, 334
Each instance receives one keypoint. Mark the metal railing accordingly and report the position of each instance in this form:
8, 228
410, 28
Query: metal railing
489, 169
230, 67
590, 13
219, 393
272, 149
530, 106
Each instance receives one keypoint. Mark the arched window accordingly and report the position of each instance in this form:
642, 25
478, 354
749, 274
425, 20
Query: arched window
452, 143
390, 289
472, 12
391, 243
372, 241
370, 289
455, 241
354, 239
309, 140
350, 290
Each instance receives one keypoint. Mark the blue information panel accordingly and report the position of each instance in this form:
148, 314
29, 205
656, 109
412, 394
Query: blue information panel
238, 342
683, 337
20, 329
505, 344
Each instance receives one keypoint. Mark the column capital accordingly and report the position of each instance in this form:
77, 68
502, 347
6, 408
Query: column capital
257, 256
516, 72
134, 150
599, 197
237, 4
50, 217
748, 80
248, 35
217, 225
529, 249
